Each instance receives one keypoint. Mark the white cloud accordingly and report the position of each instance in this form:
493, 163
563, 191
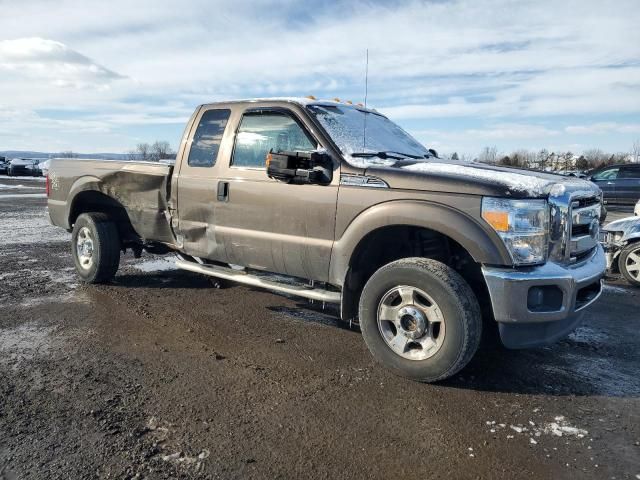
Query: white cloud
603, 128
53, 62
498, 65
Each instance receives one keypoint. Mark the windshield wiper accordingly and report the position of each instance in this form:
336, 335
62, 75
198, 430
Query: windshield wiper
384, 155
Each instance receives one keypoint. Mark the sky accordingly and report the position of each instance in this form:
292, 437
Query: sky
102, 76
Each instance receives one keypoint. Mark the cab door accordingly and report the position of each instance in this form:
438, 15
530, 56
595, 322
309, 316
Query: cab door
606, 180
267, 224
628, 184
196, 184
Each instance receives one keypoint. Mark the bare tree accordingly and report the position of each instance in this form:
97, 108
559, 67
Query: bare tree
143, 150
161, 150
582, 163
488, 155
67, 154
454, 156
595, 157
543, 159
635, 151
567, 161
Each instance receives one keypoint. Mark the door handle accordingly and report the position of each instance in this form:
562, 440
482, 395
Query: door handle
610, 183
223, 191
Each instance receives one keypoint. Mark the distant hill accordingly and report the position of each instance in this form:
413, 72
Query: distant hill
97, 156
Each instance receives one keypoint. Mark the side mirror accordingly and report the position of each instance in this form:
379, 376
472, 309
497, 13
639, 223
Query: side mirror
300, 167
433, 152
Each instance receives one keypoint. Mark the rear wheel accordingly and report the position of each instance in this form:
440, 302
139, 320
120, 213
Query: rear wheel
629, 263
95, 246
420, 318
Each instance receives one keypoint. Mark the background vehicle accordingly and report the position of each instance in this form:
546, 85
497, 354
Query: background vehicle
43, 166
417, 249
4, 166
621, 241
24, 167
620, 184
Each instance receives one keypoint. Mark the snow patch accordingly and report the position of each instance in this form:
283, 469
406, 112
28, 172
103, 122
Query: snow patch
24, 343
159, 265
19, 187
588, 336
561, 427
23, 195
23, 177
528, 184
29, 228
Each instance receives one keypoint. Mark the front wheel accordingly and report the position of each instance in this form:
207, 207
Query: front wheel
420, 318
95, 246
629, 263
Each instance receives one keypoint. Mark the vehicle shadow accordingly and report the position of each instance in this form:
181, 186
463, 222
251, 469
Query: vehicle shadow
162, 279
587, 363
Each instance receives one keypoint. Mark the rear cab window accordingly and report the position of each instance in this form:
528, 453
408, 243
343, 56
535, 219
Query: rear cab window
609, 174
630, 171
206, 140
262, 131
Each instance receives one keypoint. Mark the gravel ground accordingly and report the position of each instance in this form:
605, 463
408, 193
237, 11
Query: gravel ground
158, 375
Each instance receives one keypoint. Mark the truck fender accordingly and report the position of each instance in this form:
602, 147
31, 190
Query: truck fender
80, 185
482, 243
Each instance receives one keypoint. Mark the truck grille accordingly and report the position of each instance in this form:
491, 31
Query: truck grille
575, 226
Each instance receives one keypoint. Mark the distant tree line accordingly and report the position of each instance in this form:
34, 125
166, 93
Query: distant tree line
554, 161
158, 150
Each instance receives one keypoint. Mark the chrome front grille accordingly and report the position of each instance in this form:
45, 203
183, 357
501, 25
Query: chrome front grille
575, 225
585, 227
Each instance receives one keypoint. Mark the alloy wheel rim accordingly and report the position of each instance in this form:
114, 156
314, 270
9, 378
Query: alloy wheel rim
632, 263
84, 248
411, 323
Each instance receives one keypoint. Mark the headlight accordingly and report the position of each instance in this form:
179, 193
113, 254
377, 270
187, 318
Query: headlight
523, 226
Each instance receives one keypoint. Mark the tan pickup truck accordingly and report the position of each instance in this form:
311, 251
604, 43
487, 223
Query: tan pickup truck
348, 208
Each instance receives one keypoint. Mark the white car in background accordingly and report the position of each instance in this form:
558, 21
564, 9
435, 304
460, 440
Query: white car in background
44, 167
24, 167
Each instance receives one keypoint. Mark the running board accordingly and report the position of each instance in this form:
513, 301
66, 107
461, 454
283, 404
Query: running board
256, 281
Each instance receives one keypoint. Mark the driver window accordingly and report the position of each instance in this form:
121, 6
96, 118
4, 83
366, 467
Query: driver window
260, 132
610, 174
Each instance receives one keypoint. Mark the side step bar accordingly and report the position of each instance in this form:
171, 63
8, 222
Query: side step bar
256, 281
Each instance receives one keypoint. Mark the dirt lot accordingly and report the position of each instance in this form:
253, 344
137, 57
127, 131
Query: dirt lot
159, 375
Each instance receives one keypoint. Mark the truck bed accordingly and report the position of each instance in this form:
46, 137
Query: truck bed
141, 188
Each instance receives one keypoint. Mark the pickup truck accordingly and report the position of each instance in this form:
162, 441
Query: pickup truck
334, 202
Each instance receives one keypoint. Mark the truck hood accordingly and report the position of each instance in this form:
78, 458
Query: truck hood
630, 228
476, 179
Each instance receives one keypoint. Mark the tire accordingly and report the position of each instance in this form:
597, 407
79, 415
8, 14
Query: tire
628, 262
95, 247
441, 303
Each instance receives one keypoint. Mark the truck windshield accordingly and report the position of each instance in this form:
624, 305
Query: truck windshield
366, 138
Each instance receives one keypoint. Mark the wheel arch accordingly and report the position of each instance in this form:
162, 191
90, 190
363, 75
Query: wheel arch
480, 242
86, 196
418, 228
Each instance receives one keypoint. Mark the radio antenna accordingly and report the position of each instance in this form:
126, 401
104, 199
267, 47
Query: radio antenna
366, 87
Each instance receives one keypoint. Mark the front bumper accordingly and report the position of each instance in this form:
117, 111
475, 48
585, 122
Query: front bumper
539, 305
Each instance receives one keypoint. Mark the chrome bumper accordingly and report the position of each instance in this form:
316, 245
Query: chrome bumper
543, 303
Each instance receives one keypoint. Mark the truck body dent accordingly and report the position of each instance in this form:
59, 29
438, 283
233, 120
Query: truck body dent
139, 189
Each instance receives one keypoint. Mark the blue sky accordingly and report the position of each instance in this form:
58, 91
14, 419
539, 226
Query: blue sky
459, 75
